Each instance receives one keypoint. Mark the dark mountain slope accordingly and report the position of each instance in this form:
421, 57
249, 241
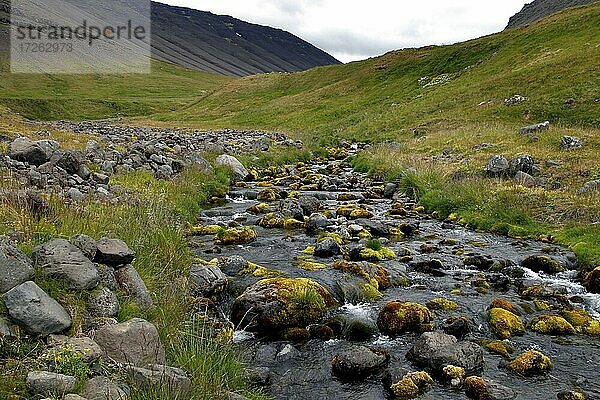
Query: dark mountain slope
225, 45
542, 8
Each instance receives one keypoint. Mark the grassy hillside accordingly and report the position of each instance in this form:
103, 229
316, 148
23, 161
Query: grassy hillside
51, 97
554, 63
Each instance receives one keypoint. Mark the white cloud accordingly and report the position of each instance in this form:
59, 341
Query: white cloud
352, 30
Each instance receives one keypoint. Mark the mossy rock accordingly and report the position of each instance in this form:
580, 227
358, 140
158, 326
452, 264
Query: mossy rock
382, 254
505, 305
310, 265
352, 211
370, 292
571, 396
291, 224
582, 321
542, 305
276, 304
505, 324
310, 250
412, 385
552, 325
268, 194
339, 239
442, 304
497, 347
476, 388
542, 264
236, 236
453, 374
259, 271
399, 317
204, 230
374, 274
271, 221
531, 363
261, 208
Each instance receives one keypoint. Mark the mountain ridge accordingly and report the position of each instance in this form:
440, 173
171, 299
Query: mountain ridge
539, 9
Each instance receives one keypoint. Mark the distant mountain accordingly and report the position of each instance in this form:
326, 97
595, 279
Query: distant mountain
229, 46
214, 43
542, 8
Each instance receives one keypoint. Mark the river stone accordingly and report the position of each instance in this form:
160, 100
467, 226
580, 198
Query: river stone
174, 379
497, 166
239, 171
233, 265
207, 280
44, 383
427, 344
467, 355
271, 305
309, 204
287, 353
104, 303
132, 284
113, 252
89, 349
290, 208
592, 281
390, 190
31, 307
15, 266
60, 260
102, 388
327, 248
317, 221
359, 362
86, 244
133, 342
26, 150
358, 328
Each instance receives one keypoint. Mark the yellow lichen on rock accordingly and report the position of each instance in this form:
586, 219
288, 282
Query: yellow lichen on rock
398, 317
582, 321
203, 230
498, 347
531, 362
268, 194
377, 255
476, 388
505, 305
442, 304
236, 236
505, 324
412, 385
310, 265
552, 325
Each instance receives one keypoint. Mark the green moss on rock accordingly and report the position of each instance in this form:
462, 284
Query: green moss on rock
398, 317
531, 363
442, 304
552, 325
476, 389
412, 385
505, 324
505, 305
497, 347
582, 321
236, 236
377, 255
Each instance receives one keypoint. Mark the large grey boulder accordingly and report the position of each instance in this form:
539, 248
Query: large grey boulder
31, 307
523, 163
290, 208
207, 280
309, 204
327, 248
102, 388
173, 379
240, 172
133, 342
113, 252
86, 244
497, 166
26, 150
132, 284
42, 383
15, 267
427, 344
436, 350
59, 259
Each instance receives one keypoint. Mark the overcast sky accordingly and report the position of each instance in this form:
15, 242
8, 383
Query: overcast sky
353, 30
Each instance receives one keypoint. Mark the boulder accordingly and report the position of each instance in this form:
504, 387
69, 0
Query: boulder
542, 263
86, 347
132, 284
523, 163
437, 350
113, 252
592, 281
309, 204
532, 129
26, 150
271, 305
86, 244
42, 383
233, 265
103, 303
497, 166
290, 208
478, 388
207, 280
589, 187
239, 171
505, 324
327, 248
174, 380
359, 362
37, 312
412, 385
134, 342
102, 388
15, 266
570, 143
59, 259
531, 363
427, 344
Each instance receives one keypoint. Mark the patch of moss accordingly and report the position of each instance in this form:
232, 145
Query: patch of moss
374, 274
497, 347
370, 292
310, 265
582, 321
353, 212
505, 324
268, 194
260, 271
260, 208
270, 221
205, 230
377, 255
455, 375
530, 363
571, 396
476, 388
291, 224
542, 305
339, 239
310, 250
412, 385
552, 325
236, 236
442, 304
505, 305
398, 317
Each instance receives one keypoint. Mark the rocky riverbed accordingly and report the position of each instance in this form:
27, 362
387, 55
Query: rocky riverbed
341, 287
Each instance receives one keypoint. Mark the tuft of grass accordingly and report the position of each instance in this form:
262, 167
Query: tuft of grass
374, 244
